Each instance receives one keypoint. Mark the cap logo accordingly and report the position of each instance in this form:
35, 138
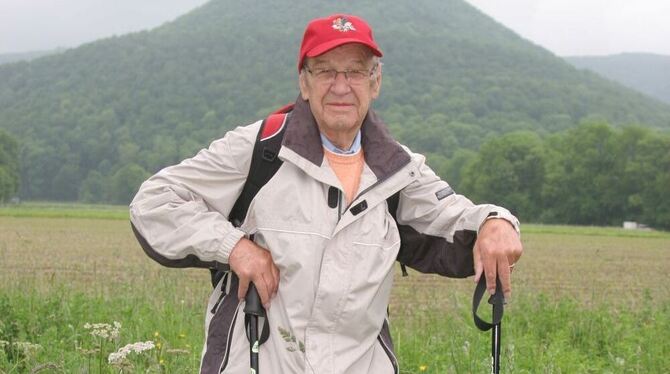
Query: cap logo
343, 25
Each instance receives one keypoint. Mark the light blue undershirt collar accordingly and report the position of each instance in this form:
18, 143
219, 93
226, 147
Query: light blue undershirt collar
355, 146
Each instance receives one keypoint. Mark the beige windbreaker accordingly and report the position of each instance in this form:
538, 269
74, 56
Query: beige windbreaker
336, 263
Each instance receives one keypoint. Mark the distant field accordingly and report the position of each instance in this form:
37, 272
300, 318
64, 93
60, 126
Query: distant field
64, 210
585, 300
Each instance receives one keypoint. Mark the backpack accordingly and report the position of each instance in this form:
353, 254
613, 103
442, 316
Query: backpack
264, 165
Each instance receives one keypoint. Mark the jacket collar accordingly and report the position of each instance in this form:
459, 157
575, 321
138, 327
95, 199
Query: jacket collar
383, 154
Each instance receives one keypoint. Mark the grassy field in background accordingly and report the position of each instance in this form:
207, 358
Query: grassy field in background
64, 210
585, 300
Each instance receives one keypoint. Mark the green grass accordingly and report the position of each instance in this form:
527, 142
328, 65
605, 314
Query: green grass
592, 231
539, 335
56, 324
65, 210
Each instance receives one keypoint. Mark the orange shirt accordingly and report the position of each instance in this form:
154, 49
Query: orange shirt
348, 169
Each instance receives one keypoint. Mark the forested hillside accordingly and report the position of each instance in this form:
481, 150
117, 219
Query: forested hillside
94, 121
9, 167
645, 72
6, 58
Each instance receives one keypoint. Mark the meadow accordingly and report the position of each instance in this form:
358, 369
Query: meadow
585, 300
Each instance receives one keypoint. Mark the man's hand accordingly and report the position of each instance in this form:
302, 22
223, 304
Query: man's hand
254, 264
497, 249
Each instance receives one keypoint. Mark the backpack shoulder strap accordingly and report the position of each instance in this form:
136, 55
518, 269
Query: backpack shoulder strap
264, 165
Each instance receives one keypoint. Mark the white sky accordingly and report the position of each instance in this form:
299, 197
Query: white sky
586, 27
565, 27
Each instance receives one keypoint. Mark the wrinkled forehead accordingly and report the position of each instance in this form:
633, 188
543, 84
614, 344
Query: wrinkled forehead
351, 54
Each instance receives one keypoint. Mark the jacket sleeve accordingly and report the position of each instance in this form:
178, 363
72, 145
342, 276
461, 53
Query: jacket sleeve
438, 227
180, 215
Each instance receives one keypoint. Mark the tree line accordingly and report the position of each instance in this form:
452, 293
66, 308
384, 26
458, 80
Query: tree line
592, 174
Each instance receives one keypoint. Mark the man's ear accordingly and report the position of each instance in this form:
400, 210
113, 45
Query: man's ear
377, 83
302, 81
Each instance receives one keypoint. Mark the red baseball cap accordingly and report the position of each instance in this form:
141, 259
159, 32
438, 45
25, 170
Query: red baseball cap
324, 34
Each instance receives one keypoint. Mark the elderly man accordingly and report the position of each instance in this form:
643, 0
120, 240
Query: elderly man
325, 237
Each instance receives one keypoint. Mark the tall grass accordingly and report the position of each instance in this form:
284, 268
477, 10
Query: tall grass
540, 334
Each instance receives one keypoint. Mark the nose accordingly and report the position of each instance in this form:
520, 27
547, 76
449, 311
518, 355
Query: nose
340, 85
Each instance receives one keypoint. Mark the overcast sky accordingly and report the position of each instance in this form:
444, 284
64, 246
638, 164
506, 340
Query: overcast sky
565, 27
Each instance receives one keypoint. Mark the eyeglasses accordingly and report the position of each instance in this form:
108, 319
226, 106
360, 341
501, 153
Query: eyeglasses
353, 76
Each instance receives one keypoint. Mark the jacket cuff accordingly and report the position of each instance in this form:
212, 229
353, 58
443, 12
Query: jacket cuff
503, 214
229, 242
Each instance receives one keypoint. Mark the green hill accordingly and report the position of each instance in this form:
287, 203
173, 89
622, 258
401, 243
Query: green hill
645, 72
94, 121
7, 58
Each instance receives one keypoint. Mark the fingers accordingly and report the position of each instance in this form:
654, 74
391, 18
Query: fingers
479, 267
275, 277
491, 272
263, 291
243, 288
253, 263
504, 273
497, 248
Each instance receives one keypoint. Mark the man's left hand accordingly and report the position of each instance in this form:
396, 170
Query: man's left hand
496, 251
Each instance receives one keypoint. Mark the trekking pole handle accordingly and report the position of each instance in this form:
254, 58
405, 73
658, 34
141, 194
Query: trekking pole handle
253, 304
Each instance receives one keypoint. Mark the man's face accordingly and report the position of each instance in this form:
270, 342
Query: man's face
339, 107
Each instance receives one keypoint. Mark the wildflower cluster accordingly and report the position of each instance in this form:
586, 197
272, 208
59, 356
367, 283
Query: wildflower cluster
104, 330
116, 358
26, 348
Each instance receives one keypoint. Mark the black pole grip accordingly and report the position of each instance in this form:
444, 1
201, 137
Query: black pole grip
253, 304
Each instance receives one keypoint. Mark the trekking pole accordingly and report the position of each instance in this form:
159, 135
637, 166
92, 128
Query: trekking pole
497, 301
252, 310
495, 348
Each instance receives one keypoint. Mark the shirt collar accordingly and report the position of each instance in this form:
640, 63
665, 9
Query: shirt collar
355, 146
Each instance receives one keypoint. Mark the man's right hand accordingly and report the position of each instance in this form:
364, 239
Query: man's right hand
253, 263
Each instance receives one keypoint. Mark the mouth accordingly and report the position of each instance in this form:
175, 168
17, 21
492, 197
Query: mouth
340, 105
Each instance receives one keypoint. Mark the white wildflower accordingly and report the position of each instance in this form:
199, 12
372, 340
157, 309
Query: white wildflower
104, 330
117, 357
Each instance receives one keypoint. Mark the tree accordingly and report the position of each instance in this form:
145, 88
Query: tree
125, 183
9, 167
585, 176
509, 171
